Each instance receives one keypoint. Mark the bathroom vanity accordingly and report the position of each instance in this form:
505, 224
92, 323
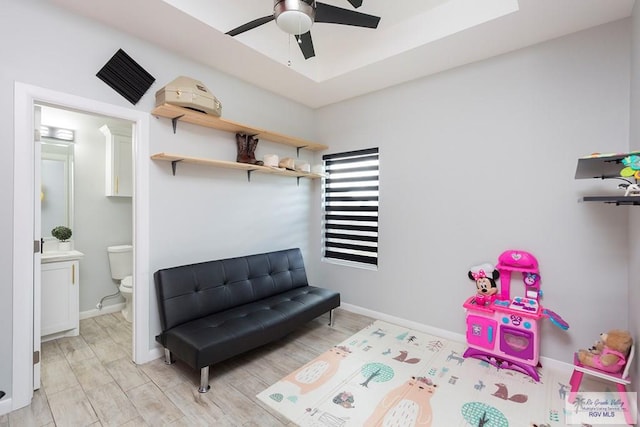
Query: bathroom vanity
60, 296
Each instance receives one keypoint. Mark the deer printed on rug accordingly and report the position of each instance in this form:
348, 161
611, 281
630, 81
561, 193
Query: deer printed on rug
455, 356
381, 333
407, 405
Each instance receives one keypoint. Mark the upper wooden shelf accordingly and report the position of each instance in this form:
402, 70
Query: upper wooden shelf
602, 166
606, 166
187, 115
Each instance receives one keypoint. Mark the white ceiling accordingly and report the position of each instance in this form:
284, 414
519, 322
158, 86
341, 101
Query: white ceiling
415, 38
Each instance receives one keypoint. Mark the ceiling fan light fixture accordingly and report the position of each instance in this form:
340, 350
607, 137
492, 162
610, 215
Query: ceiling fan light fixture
293, 16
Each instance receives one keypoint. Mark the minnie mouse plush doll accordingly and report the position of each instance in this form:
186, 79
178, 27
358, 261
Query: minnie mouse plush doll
485, 276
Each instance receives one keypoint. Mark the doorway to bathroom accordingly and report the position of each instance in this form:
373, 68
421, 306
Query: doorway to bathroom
86, 170
26, 239
85, 196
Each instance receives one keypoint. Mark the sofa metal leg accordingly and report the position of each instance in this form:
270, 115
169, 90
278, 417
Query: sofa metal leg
331, 318
204, 380
168, 358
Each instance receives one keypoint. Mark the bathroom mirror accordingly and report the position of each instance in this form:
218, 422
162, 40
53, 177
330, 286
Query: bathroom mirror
56, 190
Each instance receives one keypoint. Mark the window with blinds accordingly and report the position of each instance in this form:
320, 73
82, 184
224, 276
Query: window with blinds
351, 206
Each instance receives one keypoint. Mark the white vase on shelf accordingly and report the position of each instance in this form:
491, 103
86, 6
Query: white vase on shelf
64, 246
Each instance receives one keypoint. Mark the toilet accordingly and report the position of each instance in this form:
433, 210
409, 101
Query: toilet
121, 265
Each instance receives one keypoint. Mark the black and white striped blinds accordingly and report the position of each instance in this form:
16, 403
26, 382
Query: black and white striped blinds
351, 190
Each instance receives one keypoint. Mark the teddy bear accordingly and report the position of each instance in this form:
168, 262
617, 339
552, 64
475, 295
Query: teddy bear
609, 353
597, 347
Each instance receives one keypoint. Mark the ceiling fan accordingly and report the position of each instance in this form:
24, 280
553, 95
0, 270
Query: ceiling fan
297, 16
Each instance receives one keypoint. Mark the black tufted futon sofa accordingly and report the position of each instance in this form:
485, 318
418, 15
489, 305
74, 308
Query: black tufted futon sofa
214, 310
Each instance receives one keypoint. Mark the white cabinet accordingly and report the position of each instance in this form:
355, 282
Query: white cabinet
119, 162
60, 312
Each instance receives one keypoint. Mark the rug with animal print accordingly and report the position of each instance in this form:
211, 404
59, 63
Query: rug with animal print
388, 375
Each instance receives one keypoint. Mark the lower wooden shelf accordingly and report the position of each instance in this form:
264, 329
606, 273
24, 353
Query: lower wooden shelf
178, 158
617, 200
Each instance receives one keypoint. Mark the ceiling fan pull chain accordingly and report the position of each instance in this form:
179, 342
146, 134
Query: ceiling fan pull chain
289, 52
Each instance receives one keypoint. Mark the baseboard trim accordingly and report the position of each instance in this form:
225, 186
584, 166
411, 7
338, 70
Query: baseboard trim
545, 361
556, 365
6, 406
107, 309
404, 322
154, 353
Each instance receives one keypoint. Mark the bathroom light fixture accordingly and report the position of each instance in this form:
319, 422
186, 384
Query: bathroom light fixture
294, 16
57, 133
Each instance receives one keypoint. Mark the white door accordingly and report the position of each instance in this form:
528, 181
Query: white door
37, 236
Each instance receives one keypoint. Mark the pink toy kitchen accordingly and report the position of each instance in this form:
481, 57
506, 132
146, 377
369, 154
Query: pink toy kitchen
502, 330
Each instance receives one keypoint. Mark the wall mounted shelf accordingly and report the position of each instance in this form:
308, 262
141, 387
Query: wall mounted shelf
617, 200
601, 166
187, 115
605, 166
178, 158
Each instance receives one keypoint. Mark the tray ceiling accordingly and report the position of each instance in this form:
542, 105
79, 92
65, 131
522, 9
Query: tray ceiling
413, 39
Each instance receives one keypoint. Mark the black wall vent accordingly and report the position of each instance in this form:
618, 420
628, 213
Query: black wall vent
126, 77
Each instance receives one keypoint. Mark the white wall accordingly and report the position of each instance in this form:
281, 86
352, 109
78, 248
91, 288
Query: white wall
203, 214
634, 216
200, 213
479, 160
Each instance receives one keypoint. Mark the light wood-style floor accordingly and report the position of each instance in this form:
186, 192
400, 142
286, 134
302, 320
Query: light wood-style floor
89, 380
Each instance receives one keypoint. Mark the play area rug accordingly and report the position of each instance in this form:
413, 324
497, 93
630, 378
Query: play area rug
389, 375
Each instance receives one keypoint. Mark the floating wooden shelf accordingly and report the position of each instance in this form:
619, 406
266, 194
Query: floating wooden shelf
617, 200
605, 166
177, 158
187, 115
601, 166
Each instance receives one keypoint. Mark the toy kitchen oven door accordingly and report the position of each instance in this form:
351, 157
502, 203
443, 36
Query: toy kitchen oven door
504, 332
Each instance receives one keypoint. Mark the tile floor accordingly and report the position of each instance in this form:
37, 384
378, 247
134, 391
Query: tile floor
89, 380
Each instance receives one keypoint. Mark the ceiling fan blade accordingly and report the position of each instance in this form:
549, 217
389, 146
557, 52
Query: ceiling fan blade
250, 25
306, 45
356, 3
337, 15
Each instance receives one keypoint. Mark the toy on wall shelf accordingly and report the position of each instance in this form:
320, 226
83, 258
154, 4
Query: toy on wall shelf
631, 170
631, 167
501, 330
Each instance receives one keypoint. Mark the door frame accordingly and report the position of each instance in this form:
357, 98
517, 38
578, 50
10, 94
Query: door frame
37, 256
25, 98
